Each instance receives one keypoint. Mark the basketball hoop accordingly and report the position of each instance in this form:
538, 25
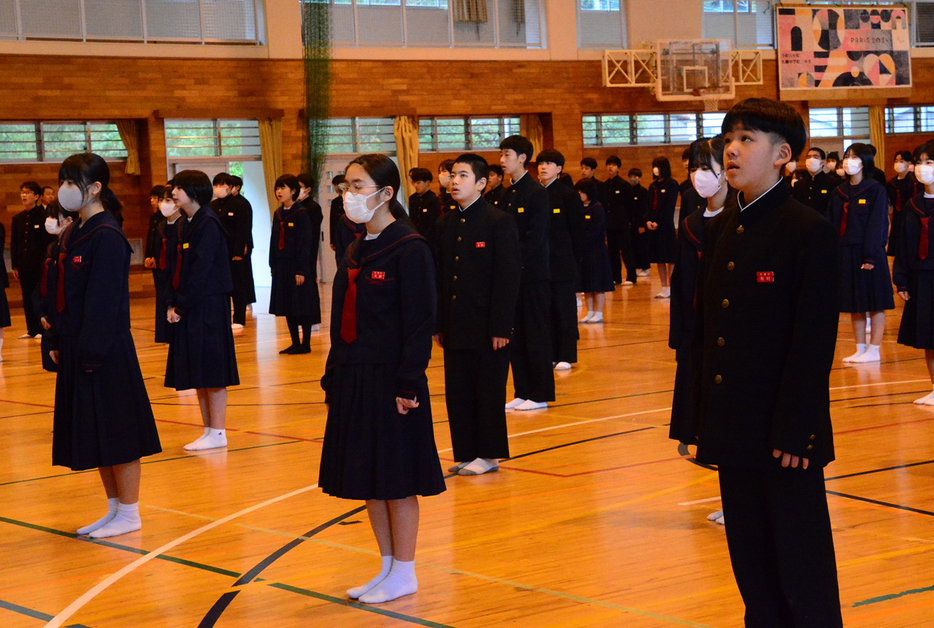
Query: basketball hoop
711, 103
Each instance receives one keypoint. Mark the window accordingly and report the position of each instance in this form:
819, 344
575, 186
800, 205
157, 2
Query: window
201, 21
909, 119
746, 23
601, 24
836, 128
54, 141
212, 138
438, 23
444, 135
921, 18
649, 128
360, 135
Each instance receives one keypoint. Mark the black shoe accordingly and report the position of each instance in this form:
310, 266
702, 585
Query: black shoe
300, 349
288, 350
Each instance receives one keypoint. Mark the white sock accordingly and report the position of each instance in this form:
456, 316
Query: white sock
860, 350
356, 592
587, 318
715, 515
871, 355
126, 521
532, 405
479, 466
207, 431
923, 401
596, 318
515, 402
400, 581
100, 523
214, 439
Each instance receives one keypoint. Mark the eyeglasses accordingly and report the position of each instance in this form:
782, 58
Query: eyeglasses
356, 188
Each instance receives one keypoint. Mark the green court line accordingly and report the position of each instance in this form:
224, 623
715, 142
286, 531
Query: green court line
188, 457
22, 610
893, 596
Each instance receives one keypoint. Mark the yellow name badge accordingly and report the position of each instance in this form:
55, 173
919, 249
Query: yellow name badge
556, 210
185, 245
823, 191
587, 217
521, 210
291, 224
862, 201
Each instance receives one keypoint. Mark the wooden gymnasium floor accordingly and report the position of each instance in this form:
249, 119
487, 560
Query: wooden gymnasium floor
597, 520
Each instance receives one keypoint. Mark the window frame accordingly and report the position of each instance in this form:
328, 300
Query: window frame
217, 139
43, 154
506, 124
668, 138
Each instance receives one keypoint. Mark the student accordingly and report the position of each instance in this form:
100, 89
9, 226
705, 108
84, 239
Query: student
166, 253
618, 224
495, 190
424, 206
859, 211
102, 416
5, 320
201, 348
596, 274
527, 202
444, 183
589, 171
45, 299
913, 268
900, 189
767, 306
834, 168
814, 186
29, 242
237, 220
566, 247
306, 184
638, 207
346, 231
659, 222
290, 246
155, 197
379, 443
477, 253
242, 270
691, 201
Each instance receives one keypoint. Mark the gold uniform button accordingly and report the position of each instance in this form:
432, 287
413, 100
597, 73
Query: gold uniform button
717, 379
813, 437
462, 220
457, 258
725, 303
455, 277
720, 342
730, 266
454, 298
459, 238
740, 230
810, 447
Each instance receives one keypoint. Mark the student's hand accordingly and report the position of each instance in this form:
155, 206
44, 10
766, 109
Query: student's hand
54, 355
236, 258
45, 323
789, 460
867, 266
904, 295
652, 226
15, 274
499, 343
299, 280
641, 229
173, 316
439, 339
404, 405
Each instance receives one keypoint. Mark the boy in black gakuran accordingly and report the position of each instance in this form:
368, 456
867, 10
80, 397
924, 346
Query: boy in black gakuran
768, 293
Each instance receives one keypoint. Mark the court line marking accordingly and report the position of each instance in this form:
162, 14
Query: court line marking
700, 501
28, 612
72, 608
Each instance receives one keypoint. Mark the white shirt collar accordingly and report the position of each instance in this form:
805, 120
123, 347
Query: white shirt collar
740, 202
463, 209
711, 214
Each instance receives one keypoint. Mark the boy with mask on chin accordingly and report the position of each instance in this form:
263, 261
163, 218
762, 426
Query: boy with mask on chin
768, 297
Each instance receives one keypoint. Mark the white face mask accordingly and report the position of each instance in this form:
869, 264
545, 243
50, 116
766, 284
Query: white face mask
71, 199
813, 164
303, 193
706, 182
221, 191
356, 209
852, 165
655, 171
444, 179
52, 226
901, 167
791, 166
167, 208
925, 173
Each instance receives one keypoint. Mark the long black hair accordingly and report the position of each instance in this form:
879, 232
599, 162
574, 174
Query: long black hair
87, 168
384, 173
664, 167
866, 154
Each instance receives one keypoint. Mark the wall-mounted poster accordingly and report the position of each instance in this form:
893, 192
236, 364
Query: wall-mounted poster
836, 48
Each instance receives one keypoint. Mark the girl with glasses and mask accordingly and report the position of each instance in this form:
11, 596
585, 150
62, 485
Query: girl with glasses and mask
379, 444
102, 417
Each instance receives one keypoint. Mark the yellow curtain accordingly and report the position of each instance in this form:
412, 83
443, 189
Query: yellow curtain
270, 146
877, 133
531, 126
405, 129
473, 11
129, 133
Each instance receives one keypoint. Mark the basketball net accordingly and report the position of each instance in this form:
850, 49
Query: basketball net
711, 103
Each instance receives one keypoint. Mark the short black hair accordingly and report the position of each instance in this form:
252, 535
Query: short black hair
866, 154
235, 181
520, 145
32, 186
634, 172
905, 155
819, 151
590, 162
47, 187
481, 169
588, 187
768, 116
307, 180
706, 152
664, 167
289, 181
833, 155
551, 156
446, 165
221, 178
497, 170
157, 190
421, 174
196, 185
613, 160
337, 180
925, 149
687, 152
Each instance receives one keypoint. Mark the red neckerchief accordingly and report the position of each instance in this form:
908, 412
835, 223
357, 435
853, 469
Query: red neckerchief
846, 204
655, 194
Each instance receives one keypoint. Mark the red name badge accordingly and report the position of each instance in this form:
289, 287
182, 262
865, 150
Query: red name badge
765, 277
378, 274
76, 259
481, 245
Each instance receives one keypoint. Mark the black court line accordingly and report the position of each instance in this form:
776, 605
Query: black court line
632, 396
579, 442
882, 470
22, 610
882, 503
